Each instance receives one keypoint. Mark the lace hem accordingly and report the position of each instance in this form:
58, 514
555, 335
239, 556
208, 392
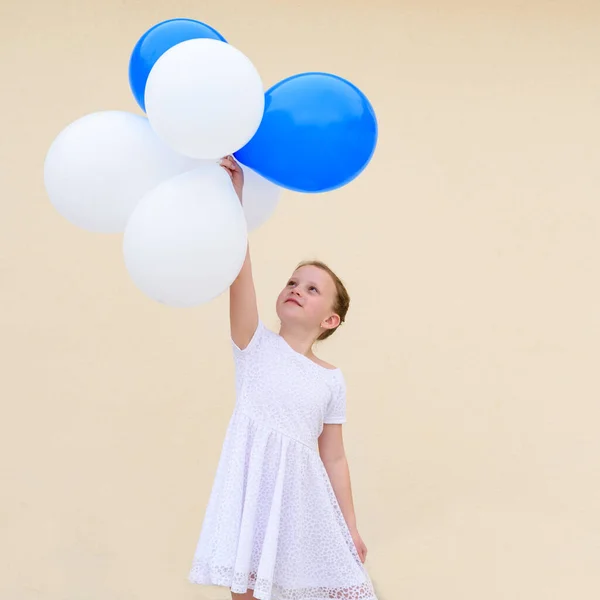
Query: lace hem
264, 589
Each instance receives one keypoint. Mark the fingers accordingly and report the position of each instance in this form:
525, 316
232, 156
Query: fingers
229, 163
230, 166
361, 551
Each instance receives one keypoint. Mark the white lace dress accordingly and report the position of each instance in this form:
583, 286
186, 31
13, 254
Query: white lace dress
273, 523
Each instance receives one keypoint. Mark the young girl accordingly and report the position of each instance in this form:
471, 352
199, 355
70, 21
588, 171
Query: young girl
280, 521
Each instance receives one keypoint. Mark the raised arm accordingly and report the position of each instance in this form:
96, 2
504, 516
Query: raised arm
243, 310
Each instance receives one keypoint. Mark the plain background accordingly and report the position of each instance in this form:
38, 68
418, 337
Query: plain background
470, 246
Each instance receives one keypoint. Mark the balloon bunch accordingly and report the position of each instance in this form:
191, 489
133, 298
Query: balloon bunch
157, 178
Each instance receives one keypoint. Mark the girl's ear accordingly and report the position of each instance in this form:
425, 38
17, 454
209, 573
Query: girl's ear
331, 322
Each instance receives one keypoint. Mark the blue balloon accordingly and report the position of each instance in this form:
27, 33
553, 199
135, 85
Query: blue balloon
318, 133
155, 42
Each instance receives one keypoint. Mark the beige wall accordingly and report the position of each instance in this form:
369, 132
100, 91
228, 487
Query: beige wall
471, 248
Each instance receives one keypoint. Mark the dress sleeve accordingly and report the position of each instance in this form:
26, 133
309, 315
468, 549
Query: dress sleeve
336, 409
254, 342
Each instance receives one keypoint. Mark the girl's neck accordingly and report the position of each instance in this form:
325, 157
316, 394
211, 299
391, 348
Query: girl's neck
299, 340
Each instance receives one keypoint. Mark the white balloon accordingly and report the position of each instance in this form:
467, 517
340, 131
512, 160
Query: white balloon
99, 167
260, 198
204, 98
186, 240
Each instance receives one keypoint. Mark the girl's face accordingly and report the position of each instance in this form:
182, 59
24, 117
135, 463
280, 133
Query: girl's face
308, 299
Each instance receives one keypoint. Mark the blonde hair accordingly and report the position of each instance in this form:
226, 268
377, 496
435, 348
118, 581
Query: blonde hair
341, 303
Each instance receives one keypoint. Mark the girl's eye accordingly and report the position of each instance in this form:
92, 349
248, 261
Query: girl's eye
313, 288
291, 282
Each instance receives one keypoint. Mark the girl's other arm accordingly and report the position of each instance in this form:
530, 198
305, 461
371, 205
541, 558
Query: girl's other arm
333, 455
243, 310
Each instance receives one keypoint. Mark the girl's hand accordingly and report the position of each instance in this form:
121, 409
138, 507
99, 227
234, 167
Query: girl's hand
360, 545
235, 172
